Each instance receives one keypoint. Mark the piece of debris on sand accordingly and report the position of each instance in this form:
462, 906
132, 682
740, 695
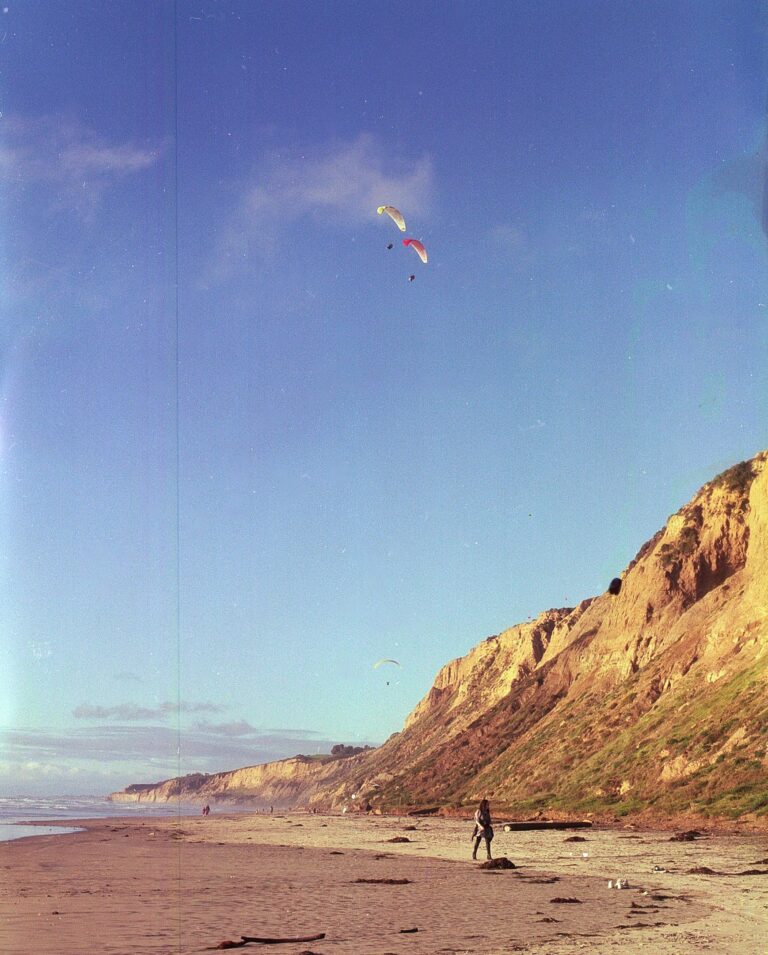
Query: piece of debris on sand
501, 863
688, 836
384, 881
247, 939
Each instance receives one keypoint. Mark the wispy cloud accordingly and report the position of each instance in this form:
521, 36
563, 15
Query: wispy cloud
127, 676
130, 712
63, 153
149, 743
235, 728
340, 185
32, 770
129, 754
244, 728
536, 425
514, 243
745, 176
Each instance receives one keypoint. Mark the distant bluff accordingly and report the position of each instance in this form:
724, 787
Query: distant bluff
652, 704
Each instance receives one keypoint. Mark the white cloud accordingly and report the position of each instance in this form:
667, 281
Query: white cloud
235, 728
75, 161
120, 755
58, 777
33, 769
339, 185
83, 159
130, 712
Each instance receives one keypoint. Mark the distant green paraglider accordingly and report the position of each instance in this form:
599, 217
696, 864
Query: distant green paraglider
382, 662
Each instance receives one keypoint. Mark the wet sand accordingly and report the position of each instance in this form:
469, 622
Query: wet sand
183, 885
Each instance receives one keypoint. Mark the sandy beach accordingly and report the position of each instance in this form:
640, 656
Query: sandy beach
186, 884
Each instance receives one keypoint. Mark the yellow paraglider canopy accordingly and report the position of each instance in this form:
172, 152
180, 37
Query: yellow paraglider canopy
395, 215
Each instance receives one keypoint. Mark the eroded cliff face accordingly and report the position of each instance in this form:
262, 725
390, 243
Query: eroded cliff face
487, 672
652, 700
287, 782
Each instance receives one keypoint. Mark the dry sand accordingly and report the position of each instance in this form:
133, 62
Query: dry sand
182, 885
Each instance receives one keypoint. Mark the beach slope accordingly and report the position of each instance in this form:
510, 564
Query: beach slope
187, 884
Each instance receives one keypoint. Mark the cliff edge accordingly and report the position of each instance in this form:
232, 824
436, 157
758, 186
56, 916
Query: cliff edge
649, 703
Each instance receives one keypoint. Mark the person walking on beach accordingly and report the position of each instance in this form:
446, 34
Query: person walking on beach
483, 828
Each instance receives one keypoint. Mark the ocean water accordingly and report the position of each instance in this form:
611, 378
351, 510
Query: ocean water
15, 810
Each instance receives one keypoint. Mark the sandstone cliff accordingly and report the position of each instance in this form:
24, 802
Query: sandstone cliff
652, 701
287, 782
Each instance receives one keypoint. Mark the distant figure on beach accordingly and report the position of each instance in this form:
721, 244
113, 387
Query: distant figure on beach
483, 828
206, 810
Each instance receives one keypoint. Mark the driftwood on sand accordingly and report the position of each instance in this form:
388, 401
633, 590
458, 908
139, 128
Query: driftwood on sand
544, 824
384, 881
247, 939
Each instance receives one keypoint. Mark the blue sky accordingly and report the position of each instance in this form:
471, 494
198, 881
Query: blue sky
242, 457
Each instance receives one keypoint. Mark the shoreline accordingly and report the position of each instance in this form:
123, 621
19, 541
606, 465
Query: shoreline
567, 828
172, 884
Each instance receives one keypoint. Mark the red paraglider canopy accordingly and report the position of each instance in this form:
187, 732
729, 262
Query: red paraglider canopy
422, 252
